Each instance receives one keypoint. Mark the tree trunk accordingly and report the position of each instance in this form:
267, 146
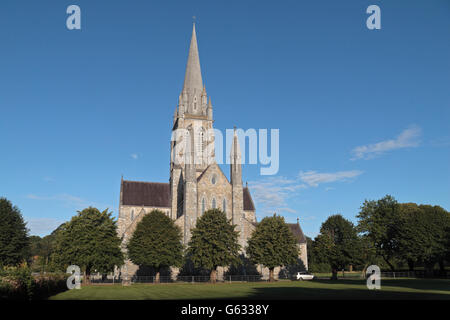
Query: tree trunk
363, 273
350, 268
411, 265
442, 265
87, 275
271, 277
389, 264
212, 276
429, 266
334, 274
157, 276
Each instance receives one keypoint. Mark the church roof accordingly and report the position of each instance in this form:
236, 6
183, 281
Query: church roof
157, 194
248, 201
298, 232
149, 194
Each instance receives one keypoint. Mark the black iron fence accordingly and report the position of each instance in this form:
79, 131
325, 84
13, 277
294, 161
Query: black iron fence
109, 279
168, 279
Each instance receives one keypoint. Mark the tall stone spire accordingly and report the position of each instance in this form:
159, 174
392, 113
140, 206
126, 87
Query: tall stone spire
236, 181
193, 76
235, 155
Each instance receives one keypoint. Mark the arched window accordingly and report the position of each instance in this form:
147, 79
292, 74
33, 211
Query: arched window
203, 205
213, 205
224, 205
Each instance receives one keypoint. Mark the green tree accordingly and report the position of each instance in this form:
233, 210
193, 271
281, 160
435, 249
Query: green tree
338, 243
156, 243
214, 242
412, 234
423, 235
43, 248
14, 242
379, 221
272, 244
90, 241
435, 222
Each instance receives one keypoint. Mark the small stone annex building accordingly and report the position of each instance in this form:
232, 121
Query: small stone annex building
196, 181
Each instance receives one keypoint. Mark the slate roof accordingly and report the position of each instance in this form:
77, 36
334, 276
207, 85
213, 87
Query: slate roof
157, 194
248, 201
149, 194
298, 232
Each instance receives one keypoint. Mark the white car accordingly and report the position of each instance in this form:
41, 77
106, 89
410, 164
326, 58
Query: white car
304, 275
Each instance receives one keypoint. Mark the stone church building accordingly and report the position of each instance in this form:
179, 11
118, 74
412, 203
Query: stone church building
196, 182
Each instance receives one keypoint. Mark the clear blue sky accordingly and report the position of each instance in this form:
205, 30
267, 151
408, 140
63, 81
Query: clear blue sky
361, 113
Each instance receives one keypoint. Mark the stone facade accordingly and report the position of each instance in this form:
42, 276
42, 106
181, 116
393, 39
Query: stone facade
196, 181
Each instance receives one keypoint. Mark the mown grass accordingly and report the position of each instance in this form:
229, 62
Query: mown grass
281, 290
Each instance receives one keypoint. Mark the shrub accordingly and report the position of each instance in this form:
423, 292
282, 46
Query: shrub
18, 283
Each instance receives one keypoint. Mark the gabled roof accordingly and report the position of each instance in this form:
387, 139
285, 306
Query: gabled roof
298, 232
149, 194
212, 166
157, 194
248, 201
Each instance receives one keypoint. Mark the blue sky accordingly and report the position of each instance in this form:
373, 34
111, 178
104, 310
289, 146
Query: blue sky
361, 113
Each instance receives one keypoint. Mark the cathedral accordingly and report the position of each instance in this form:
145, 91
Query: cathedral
196, 182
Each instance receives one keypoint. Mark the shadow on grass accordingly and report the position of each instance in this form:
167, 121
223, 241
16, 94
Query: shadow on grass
416, 284
340, 290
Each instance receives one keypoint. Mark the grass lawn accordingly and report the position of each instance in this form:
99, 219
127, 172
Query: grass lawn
281, 290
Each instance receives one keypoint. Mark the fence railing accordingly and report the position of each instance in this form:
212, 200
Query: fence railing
169, 279
109, 279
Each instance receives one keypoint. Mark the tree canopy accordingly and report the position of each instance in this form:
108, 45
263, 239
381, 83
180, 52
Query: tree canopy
338, 243
378, 220
156, 242
14, 242
214, 242
272, 244
406, 232
90, 241
422, 234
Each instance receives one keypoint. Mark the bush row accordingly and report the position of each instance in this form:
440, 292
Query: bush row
18, 283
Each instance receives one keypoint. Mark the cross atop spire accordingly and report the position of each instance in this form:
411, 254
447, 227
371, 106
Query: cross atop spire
193, 77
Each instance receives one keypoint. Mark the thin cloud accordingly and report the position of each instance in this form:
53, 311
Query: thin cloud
42, 226
440, 142
314, 178
271, 194
134, 156
67, 200
408, 138
287, 209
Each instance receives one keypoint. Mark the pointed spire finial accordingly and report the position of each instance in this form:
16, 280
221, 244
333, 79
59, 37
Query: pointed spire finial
298, 220
193, 77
